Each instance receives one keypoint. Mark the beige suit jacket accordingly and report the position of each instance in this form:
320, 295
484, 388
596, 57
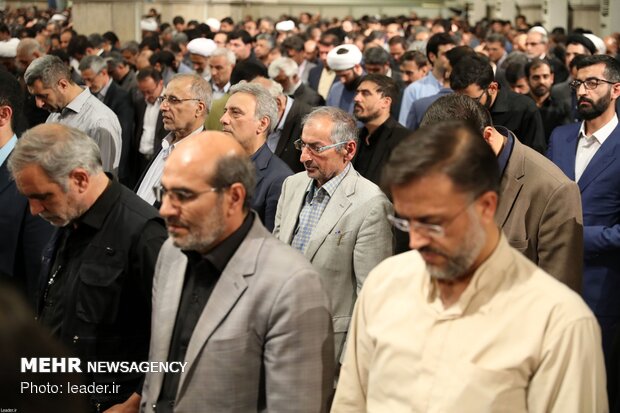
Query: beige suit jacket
263, 342
540, 212
352, 236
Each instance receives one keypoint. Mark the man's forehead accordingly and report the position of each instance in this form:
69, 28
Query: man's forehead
367, 86
596, 70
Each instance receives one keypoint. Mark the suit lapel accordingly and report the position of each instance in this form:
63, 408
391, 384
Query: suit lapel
5, 177
511, 183
601, 160
568, 152
287, 129
229, 288
295, 202
336, 207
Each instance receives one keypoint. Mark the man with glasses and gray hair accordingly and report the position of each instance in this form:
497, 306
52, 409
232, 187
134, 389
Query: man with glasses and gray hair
464, 322
333, 215
184, 105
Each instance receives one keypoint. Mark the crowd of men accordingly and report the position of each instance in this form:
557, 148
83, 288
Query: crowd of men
399, 214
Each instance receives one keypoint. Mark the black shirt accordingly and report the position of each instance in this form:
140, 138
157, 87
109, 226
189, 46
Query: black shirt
201, 276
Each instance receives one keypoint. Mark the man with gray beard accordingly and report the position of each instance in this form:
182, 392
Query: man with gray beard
464, 322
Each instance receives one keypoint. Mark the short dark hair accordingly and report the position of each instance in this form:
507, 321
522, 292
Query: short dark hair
455, 54
471, 70
416, 56
240, 34
612, 66
163, 57
496, 38
111, 37
77, 45
232, 169
151, 72
459, 108
247, 71
96, 40
11, 95
436, 40
295, 42
376, 56
386, 86
228, 20
331, 38
178, 20
151, 43
535, 64
450, 148
514, 72
398, 40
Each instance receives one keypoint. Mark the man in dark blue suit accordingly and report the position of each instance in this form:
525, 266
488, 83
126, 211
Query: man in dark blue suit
588, 153
250, 115
23, 235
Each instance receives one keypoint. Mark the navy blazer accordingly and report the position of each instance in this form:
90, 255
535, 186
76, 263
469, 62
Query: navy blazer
600, 196
271, 172
23, 238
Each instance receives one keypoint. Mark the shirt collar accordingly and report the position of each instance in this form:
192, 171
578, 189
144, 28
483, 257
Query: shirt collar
603, 133
104, 91
331, 185
97, 213
6, 150
78, 102
287, 109
167, 146
223, 90
506, 151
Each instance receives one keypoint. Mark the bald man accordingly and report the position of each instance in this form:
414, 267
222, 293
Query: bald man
244, 311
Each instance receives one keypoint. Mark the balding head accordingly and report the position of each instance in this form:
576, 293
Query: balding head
208, 181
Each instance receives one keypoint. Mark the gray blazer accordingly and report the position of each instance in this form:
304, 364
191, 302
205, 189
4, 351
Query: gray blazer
352, 236
263, 342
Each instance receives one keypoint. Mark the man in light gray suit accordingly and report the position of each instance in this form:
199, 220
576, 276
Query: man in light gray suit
245, 312
337, 218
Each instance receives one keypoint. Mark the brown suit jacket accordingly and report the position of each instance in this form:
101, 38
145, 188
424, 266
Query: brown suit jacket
540, 212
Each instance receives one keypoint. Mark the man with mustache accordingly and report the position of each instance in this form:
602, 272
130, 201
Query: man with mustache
334, 216
97, 269
464, 322
245, 312
554, 111
587, 152
184, 106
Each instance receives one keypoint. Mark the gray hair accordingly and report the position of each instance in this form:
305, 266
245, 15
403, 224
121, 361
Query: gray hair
232, 169
222, 51
544, 38
95, 63
58, 150
199, 87
265, 103
274, 89
284, 64
132, 46
48, 69
268, 37
28, 46
344, 128
180, 38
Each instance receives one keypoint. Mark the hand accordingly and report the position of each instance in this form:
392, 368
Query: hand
131, 405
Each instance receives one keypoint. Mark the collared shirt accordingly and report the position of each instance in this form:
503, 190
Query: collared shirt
274, 137
427, 86
516, 340
90, 115
325, 82
153, 175
217, 92
149, 125
201, 276
589, 145
316, 201
104, 91
6, 150
504, 154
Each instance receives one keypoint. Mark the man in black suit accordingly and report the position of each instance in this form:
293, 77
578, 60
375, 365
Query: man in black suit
149, 131
94, 72
381, 132
284, 70
23, 235
249, 116
473, 76
291, 112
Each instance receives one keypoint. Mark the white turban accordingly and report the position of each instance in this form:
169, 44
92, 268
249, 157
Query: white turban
9, 48
344, 57
214, 24
598, 43
148, 25
285, 26
201, 46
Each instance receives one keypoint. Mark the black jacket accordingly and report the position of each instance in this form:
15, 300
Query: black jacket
307, 95
120, 102
291, 131
106, 300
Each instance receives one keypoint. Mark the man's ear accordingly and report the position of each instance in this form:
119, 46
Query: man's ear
6, 114
79, 178
263, 125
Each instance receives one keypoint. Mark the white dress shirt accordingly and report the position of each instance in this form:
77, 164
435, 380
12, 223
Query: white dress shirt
148, 129
589, 145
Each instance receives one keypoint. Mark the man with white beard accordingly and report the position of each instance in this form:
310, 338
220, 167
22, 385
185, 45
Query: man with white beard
464, 322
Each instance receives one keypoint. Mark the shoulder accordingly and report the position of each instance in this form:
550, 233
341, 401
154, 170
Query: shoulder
278, 169
137, 209
565, 131
544, 173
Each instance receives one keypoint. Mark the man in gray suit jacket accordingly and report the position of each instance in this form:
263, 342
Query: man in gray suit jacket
539, 207
245, 312
337, 218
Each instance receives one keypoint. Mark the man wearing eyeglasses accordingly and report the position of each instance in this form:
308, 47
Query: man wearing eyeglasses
464, 322
473, 76
334, 216
587, 152
184, 105
245, 312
